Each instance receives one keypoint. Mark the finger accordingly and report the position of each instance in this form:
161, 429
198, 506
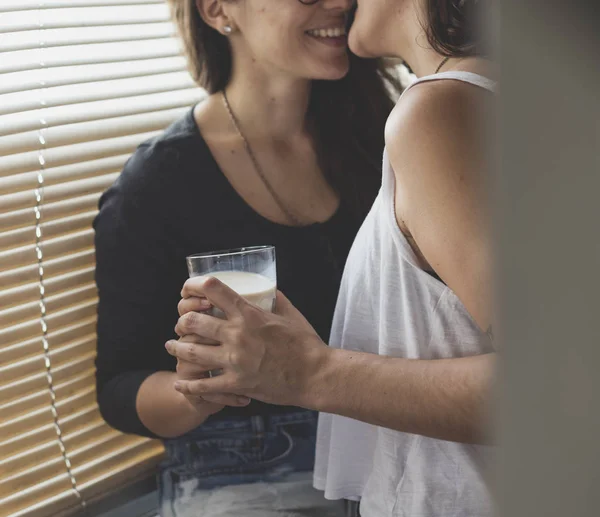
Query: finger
193, 304
197, 400
204, 387
216, 292
192, 338
186, 370
227, 399
210, 357
203, 325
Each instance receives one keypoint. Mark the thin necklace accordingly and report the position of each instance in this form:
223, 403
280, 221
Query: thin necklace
444, 61
292, 218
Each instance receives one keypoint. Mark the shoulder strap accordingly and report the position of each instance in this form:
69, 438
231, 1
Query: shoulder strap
465, 77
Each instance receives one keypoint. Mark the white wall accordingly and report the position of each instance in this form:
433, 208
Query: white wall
547, 190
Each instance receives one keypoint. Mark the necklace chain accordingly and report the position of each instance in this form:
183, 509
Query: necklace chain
444, 61
291, 217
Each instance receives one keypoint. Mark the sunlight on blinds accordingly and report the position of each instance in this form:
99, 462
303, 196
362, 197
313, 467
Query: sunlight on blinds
82, 83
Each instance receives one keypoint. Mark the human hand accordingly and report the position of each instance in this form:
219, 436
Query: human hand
213, 402
272, 357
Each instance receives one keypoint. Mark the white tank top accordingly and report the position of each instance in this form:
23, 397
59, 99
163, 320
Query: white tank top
389, 306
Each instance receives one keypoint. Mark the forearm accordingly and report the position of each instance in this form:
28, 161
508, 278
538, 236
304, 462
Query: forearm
445, 399
164, 411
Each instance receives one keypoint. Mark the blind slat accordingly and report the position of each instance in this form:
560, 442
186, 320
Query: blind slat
30, 329
52, 248
56, 177
75, 352
131, 461
61, 302
90, 131
14, 41
72, 154
59, 337
32, 375
14, 21
50, 229
22, 5
104, 453
69, 192
26, 423
124, 464
42, 499
97, 110
40, 452
35, 388
15, 482
23, 60
85, 416
30, 292
16, 444
51, 211
30, 273
81, 74
46, 451
16, 370
28, 100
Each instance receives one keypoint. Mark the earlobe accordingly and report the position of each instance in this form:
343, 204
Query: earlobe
211, 11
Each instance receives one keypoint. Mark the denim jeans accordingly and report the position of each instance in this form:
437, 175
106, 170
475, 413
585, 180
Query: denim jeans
259, 466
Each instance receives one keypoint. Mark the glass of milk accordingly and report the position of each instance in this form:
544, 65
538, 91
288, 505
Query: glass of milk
251, 272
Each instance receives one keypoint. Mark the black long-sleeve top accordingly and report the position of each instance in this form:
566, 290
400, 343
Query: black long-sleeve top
171, 201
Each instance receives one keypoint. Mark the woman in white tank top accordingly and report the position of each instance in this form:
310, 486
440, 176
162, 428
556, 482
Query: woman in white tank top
404, 385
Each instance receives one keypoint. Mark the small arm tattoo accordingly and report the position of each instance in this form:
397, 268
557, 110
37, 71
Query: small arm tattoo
490, 333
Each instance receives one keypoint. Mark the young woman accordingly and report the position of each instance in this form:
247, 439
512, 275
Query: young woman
285, 151
404, 388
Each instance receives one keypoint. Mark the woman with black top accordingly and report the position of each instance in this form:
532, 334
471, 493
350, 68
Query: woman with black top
286, 151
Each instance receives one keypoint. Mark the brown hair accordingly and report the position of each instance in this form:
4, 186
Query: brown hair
347, 117
452, 27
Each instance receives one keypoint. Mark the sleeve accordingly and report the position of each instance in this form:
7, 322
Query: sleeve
139, 275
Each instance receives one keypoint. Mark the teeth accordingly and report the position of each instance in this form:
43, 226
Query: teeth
328, 33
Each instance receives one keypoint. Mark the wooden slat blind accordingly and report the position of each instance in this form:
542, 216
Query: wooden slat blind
82, 83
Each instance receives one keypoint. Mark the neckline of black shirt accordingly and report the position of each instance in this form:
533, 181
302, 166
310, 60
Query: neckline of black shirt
340, 211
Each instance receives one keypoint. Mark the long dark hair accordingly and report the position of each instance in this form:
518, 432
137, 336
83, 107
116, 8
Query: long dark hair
453, 27
346, 117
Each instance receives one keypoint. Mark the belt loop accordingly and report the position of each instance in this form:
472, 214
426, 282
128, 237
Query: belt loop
258, 425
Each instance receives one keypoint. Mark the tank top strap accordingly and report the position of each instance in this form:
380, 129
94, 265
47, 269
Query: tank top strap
465, 77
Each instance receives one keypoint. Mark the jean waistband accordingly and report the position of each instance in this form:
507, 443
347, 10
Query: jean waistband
256, 424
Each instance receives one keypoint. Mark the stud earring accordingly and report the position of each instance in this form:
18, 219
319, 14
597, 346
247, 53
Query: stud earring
227, 29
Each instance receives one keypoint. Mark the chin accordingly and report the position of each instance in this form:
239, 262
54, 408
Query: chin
336, 74
332, 71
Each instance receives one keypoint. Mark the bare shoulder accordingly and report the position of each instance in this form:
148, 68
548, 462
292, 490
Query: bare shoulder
437, 120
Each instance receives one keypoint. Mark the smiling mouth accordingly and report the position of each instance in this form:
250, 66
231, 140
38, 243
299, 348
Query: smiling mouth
332, 32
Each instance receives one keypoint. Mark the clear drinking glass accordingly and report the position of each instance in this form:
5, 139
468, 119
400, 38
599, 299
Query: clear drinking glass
251, 272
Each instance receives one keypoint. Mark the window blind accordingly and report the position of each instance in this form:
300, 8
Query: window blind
82, 83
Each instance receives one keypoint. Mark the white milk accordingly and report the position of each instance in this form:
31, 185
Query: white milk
257, 289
